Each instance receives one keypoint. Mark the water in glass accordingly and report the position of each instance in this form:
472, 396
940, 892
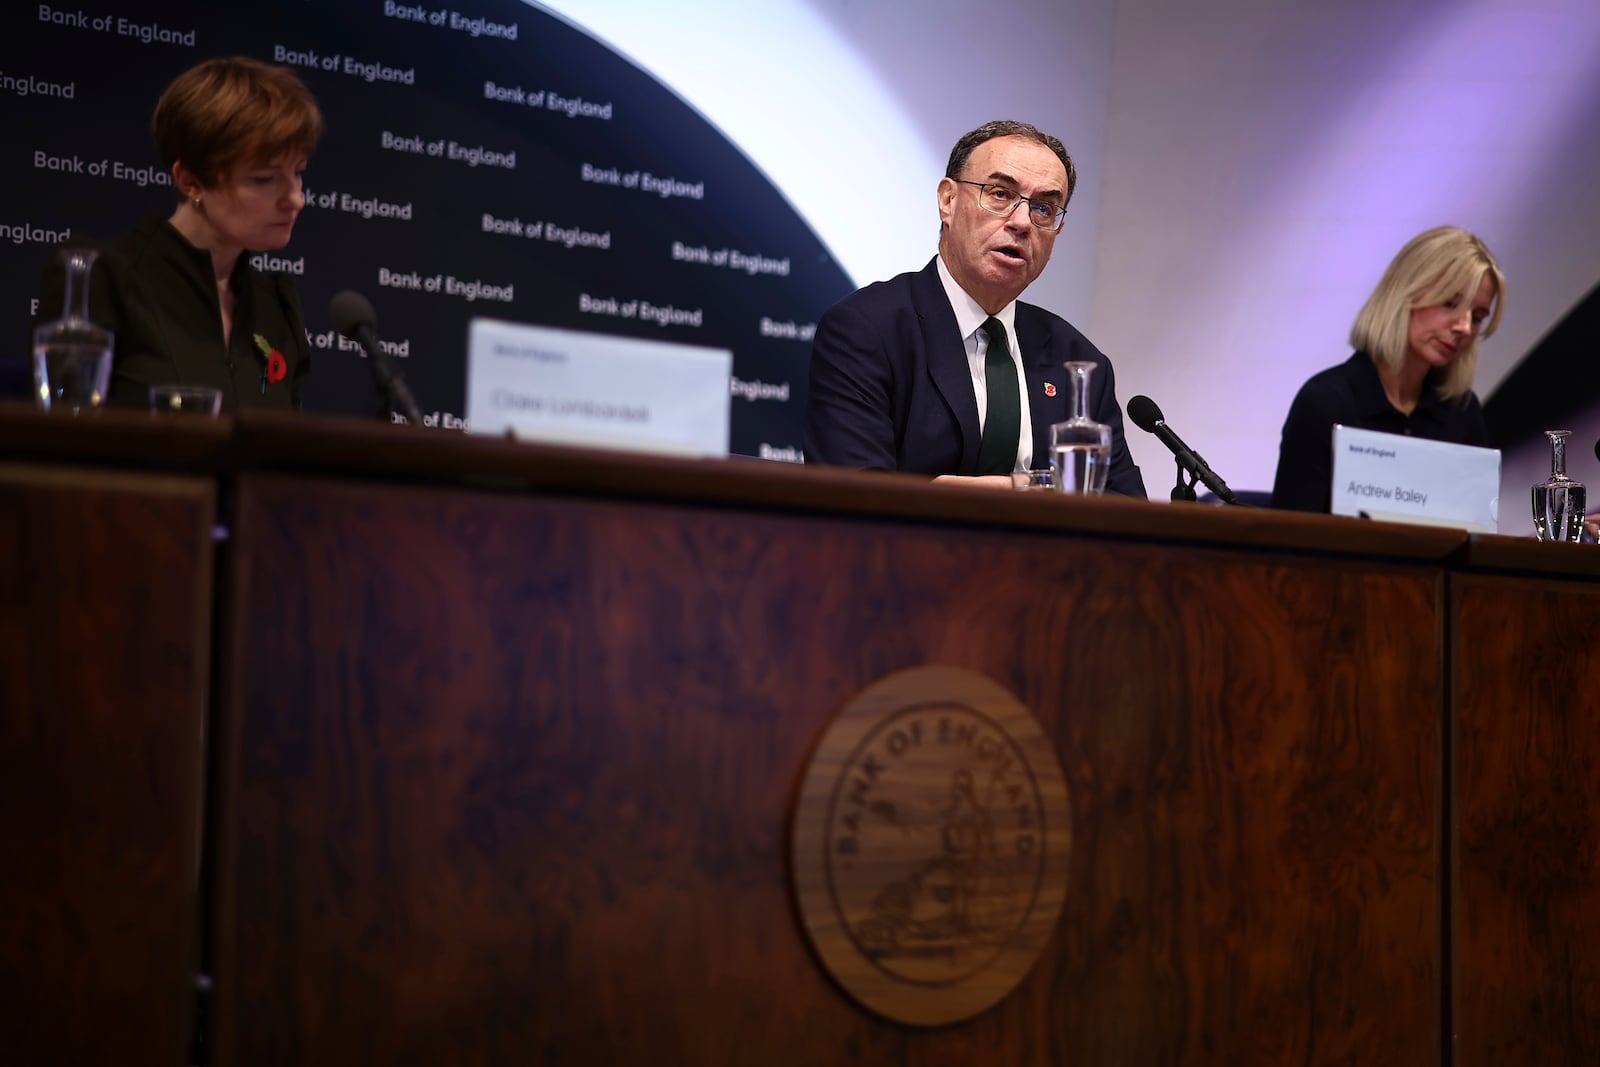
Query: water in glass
1080, 448
1558, 501
1080, 467
71, 355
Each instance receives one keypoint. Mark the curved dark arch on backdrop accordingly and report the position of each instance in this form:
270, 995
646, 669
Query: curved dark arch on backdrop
612, 117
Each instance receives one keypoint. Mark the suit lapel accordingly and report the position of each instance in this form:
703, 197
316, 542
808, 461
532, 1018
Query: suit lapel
947, 359
1047, 385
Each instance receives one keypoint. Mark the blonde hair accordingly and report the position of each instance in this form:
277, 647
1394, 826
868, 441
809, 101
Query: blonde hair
1445, 263
225, 112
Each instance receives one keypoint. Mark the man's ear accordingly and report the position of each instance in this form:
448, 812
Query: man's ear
946, 196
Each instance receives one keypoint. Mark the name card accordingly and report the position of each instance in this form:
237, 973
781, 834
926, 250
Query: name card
1408, 479
572, 387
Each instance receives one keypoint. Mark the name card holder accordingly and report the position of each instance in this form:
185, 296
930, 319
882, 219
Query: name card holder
1408, 479
571, 387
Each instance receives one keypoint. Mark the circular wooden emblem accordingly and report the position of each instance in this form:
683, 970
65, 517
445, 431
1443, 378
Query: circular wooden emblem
930, 845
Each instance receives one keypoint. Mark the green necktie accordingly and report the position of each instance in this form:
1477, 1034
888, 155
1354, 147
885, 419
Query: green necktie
1002, 426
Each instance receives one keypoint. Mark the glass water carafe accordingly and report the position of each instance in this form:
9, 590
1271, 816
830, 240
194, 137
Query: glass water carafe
71, 355
1558, 501
1080, 448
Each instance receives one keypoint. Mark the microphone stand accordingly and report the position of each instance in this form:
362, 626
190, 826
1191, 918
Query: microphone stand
1184, 490
393, 392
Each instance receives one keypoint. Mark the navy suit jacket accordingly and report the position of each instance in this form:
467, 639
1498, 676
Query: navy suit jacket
891, 388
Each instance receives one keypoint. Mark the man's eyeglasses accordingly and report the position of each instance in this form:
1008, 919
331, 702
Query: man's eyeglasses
998, 200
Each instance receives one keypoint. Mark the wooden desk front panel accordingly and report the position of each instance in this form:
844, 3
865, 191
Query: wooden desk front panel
105, 605
510, 778
1526, 664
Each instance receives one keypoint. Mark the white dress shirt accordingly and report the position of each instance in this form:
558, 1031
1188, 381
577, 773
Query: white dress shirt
970, 317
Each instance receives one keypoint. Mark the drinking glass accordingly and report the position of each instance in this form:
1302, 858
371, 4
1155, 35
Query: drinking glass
71, 355
1038, 478
185, 400
1080, 448
1558, 501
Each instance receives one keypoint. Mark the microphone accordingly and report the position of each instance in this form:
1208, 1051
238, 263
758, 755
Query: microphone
353, 317
1144, 413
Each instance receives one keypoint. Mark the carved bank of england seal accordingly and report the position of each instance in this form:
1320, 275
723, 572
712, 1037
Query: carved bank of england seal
930, 844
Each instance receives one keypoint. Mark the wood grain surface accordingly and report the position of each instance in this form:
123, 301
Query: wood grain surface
1526, 664
269, 440
508, 778
105, 601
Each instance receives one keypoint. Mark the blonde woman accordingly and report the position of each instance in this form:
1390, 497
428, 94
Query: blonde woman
1416, 342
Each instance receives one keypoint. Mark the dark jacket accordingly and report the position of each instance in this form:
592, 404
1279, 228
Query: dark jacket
891, 388
157, 293
1351, 394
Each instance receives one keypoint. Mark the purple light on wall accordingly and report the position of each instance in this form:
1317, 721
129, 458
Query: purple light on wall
1250, 209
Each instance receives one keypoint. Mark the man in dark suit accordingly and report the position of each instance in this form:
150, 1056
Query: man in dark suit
943, 371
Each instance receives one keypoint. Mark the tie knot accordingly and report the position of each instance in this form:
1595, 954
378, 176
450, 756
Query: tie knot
996, 331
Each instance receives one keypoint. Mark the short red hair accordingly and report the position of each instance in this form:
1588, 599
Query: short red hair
225, 112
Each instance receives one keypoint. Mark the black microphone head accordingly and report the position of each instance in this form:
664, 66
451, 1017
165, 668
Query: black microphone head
1597, 450
350, 311
1144, 413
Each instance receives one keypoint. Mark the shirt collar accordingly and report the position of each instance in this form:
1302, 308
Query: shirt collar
970, 315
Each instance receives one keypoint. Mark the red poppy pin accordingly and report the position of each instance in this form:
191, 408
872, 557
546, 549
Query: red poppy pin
276, 368
1049, 389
